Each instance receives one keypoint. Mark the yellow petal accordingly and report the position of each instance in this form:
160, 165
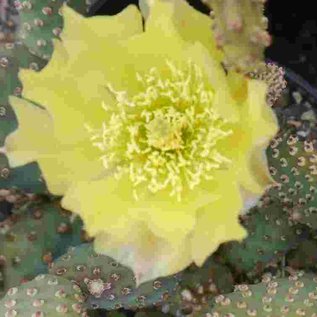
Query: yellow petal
260, 125
35, 140
81, 34
47, 88
238, 84
105, 204
262, 122
67, 165
192, 25
81, 101
86, 84
34, 133
223, 103
39, 86
111, 201
172, 220
148, 256
151, 49
71, 155
250, 138
217, 222
97, 40
124, 229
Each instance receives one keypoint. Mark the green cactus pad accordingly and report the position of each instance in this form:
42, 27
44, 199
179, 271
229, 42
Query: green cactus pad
274, 297
270, 234
212, 277
150, 314
197, 286
304, 256
32, 237
240, 30
45, 296
41, 22
293, 164
108, 284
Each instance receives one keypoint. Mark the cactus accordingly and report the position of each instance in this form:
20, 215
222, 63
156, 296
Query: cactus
8, 21
273, 75
151, 314
270, 235
292, 296
211, 277
293, 164
108, 284
32, 237
199, 285
304, 256
41, 21
46, 295
240, 30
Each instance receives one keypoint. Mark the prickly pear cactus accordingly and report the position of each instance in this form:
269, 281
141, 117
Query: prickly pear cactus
199, 285
46, 295
41, 21
108, 284
211, 277
12, 57
293, 164
151, 314
283, 297
273, 75
270, 235
304, 257
240, 30
32, 238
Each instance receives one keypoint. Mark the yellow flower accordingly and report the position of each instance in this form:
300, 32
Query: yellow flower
147, 138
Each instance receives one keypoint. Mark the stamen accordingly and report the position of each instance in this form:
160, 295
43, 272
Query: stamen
166, 135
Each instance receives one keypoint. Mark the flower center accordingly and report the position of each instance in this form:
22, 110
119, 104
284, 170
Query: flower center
164, 131
166, 135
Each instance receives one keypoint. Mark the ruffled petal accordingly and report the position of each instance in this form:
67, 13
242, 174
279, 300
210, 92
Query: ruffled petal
104, 205
35, 140
251, 136
260, 125
148, 256
38, 85
80, 34
86, 82
98, 40
223, 103
111, 201
192, 25
35, 133
124, 228
81, 101
68, 165
218, 221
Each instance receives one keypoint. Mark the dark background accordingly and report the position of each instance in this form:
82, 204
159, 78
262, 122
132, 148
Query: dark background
293, 25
